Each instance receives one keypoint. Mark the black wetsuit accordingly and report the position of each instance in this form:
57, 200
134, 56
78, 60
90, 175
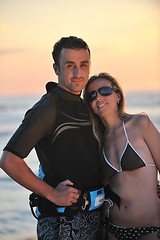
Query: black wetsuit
59, 129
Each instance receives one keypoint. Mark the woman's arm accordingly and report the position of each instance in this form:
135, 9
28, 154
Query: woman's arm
152, 139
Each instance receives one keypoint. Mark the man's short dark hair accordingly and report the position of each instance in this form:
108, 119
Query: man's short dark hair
71, 42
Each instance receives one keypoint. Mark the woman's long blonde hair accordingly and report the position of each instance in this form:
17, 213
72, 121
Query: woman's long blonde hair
97, 123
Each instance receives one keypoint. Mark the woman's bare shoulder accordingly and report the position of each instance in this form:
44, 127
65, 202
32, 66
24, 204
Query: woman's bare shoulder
140, 120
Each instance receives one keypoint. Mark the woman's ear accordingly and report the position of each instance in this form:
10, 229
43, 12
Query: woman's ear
56, 69
118, 98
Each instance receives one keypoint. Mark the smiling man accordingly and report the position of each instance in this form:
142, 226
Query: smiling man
68, 187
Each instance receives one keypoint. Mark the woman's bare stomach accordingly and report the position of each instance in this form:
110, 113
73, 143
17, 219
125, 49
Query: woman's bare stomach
138, 213
140, 205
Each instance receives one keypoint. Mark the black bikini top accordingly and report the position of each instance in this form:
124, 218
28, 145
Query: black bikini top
129, 159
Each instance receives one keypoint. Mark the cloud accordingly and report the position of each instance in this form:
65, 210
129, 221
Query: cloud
12, 51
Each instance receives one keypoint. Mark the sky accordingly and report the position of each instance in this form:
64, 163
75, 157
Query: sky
123, 35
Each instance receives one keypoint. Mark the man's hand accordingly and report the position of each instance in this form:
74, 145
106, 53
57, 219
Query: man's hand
64, 194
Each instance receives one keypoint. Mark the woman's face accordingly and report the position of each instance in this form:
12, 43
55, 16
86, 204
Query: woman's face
103, 101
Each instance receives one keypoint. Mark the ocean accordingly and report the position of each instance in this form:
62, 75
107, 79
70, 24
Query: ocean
16, 220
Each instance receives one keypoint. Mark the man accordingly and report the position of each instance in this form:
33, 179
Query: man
68, 190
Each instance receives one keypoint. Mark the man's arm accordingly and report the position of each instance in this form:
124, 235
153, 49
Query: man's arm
63, 195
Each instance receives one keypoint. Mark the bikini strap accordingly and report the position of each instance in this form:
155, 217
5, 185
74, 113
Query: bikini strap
125, 132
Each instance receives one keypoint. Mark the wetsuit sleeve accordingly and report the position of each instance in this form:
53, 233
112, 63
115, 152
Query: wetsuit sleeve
36, 125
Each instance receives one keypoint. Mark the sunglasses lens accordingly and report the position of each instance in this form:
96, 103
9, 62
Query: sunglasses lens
92, 96
105, 91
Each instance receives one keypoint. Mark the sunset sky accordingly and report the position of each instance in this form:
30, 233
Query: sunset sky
123, 35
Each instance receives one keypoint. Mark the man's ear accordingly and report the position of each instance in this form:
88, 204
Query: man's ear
56, 69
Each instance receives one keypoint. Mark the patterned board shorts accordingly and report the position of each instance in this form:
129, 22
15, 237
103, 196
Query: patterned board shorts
83, 226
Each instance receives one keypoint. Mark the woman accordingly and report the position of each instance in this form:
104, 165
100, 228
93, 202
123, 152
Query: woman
130, 146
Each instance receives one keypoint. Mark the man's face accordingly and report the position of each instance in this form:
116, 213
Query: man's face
74, 69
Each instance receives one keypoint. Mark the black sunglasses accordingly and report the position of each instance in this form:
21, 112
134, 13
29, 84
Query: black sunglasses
103, 91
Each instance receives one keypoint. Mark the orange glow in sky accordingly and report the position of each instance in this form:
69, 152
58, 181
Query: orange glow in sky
124, 38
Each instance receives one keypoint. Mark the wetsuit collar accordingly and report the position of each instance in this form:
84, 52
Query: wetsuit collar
68, 95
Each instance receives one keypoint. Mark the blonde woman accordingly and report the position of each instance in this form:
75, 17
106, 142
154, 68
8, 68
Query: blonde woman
130, 147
